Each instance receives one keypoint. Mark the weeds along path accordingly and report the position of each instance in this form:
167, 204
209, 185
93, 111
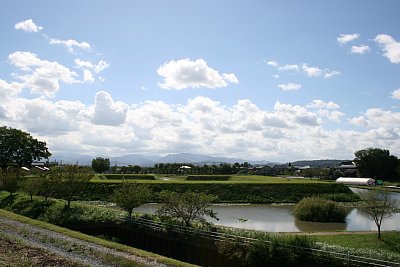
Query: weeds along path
74, 252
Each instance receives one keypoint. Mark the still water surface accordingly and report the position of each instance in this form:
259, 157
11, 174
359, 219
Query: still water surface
279, 218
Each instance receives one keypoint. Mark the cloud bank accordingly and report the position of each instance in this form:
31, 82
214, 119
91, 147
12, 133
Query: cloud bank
201, 125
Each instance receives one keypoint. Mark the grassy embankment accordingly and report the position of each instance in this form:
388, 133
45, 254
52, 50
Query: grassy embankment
238, 189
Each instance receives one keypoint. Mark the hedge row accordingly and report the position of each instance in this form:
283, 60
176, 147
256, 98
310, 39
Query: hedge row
235, 193
208, 178
128, 176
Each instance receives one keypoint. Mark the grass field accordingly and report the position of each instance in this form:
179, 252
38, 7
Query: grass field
389, 243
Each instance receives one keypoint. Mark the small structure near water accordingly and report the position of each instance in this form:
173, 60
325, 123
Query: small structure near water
355, 181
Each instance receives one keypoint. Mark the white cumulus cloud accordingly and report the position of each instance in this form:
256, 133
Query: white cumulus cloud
289, 67
390, 47
108, 112
97, 68
185, 73
345, 38
376, 117
297, 115
311, 71
330, 73
88, 76
321, 104
289, 86
44, 76
359, 121
359, 49
272, 63
9, 89
70, 44
304, 68
28, 26
44, 116
396, 94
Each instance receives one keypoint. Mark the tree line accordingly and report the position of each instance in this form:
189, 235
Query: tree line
100, 165
65, 182
375, 163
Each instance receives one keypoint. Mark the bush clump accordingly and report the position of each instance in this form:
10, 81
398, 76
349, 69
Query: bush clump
273, 250
208, 178
317, 209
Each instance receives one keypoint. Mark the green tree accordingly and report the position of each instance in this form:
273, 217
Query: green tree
130, 196
186, 207
31, 186
377, 163
70, 181
136, 169
100, 165
9, 181
379, 206
48, 184
20, 148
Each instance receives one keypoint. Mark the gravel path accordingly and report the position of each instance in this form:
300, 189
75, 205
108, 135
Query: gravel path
73, 249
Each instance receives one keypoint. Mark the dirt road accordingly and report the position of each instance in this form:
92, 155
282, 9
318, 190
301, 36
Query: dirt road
23, 244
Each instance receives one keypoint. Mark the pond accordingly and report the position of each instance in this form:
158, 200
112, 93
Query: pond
279, 218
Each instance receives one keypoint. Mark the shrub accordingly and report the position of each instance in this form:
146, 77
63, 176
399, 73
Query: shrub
130, 196
319, 210
186, 207
271, 250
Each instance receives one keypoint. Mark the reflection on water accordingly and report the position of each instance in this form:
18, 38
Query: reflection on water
273, 218
303, 226
393, 195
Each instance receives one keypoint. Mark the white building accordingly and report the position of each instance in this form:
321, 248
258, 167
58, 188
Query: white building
355, 181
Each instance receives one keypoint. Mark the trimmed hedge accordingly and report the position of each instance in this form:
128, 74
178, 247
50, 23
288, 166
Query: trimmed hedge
234, 193
208, 178
128, 176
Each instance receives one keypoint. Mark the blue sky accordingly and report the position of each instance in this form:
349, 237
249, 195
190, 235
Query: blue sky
272, 80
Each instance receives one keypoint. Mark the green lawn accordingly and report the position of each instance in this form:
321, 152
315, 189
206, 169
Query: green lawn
389, 242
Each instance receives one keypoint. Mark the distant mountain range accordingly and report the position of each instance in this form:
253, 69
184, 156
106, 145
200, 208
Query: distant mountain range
196, 159
146, 161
